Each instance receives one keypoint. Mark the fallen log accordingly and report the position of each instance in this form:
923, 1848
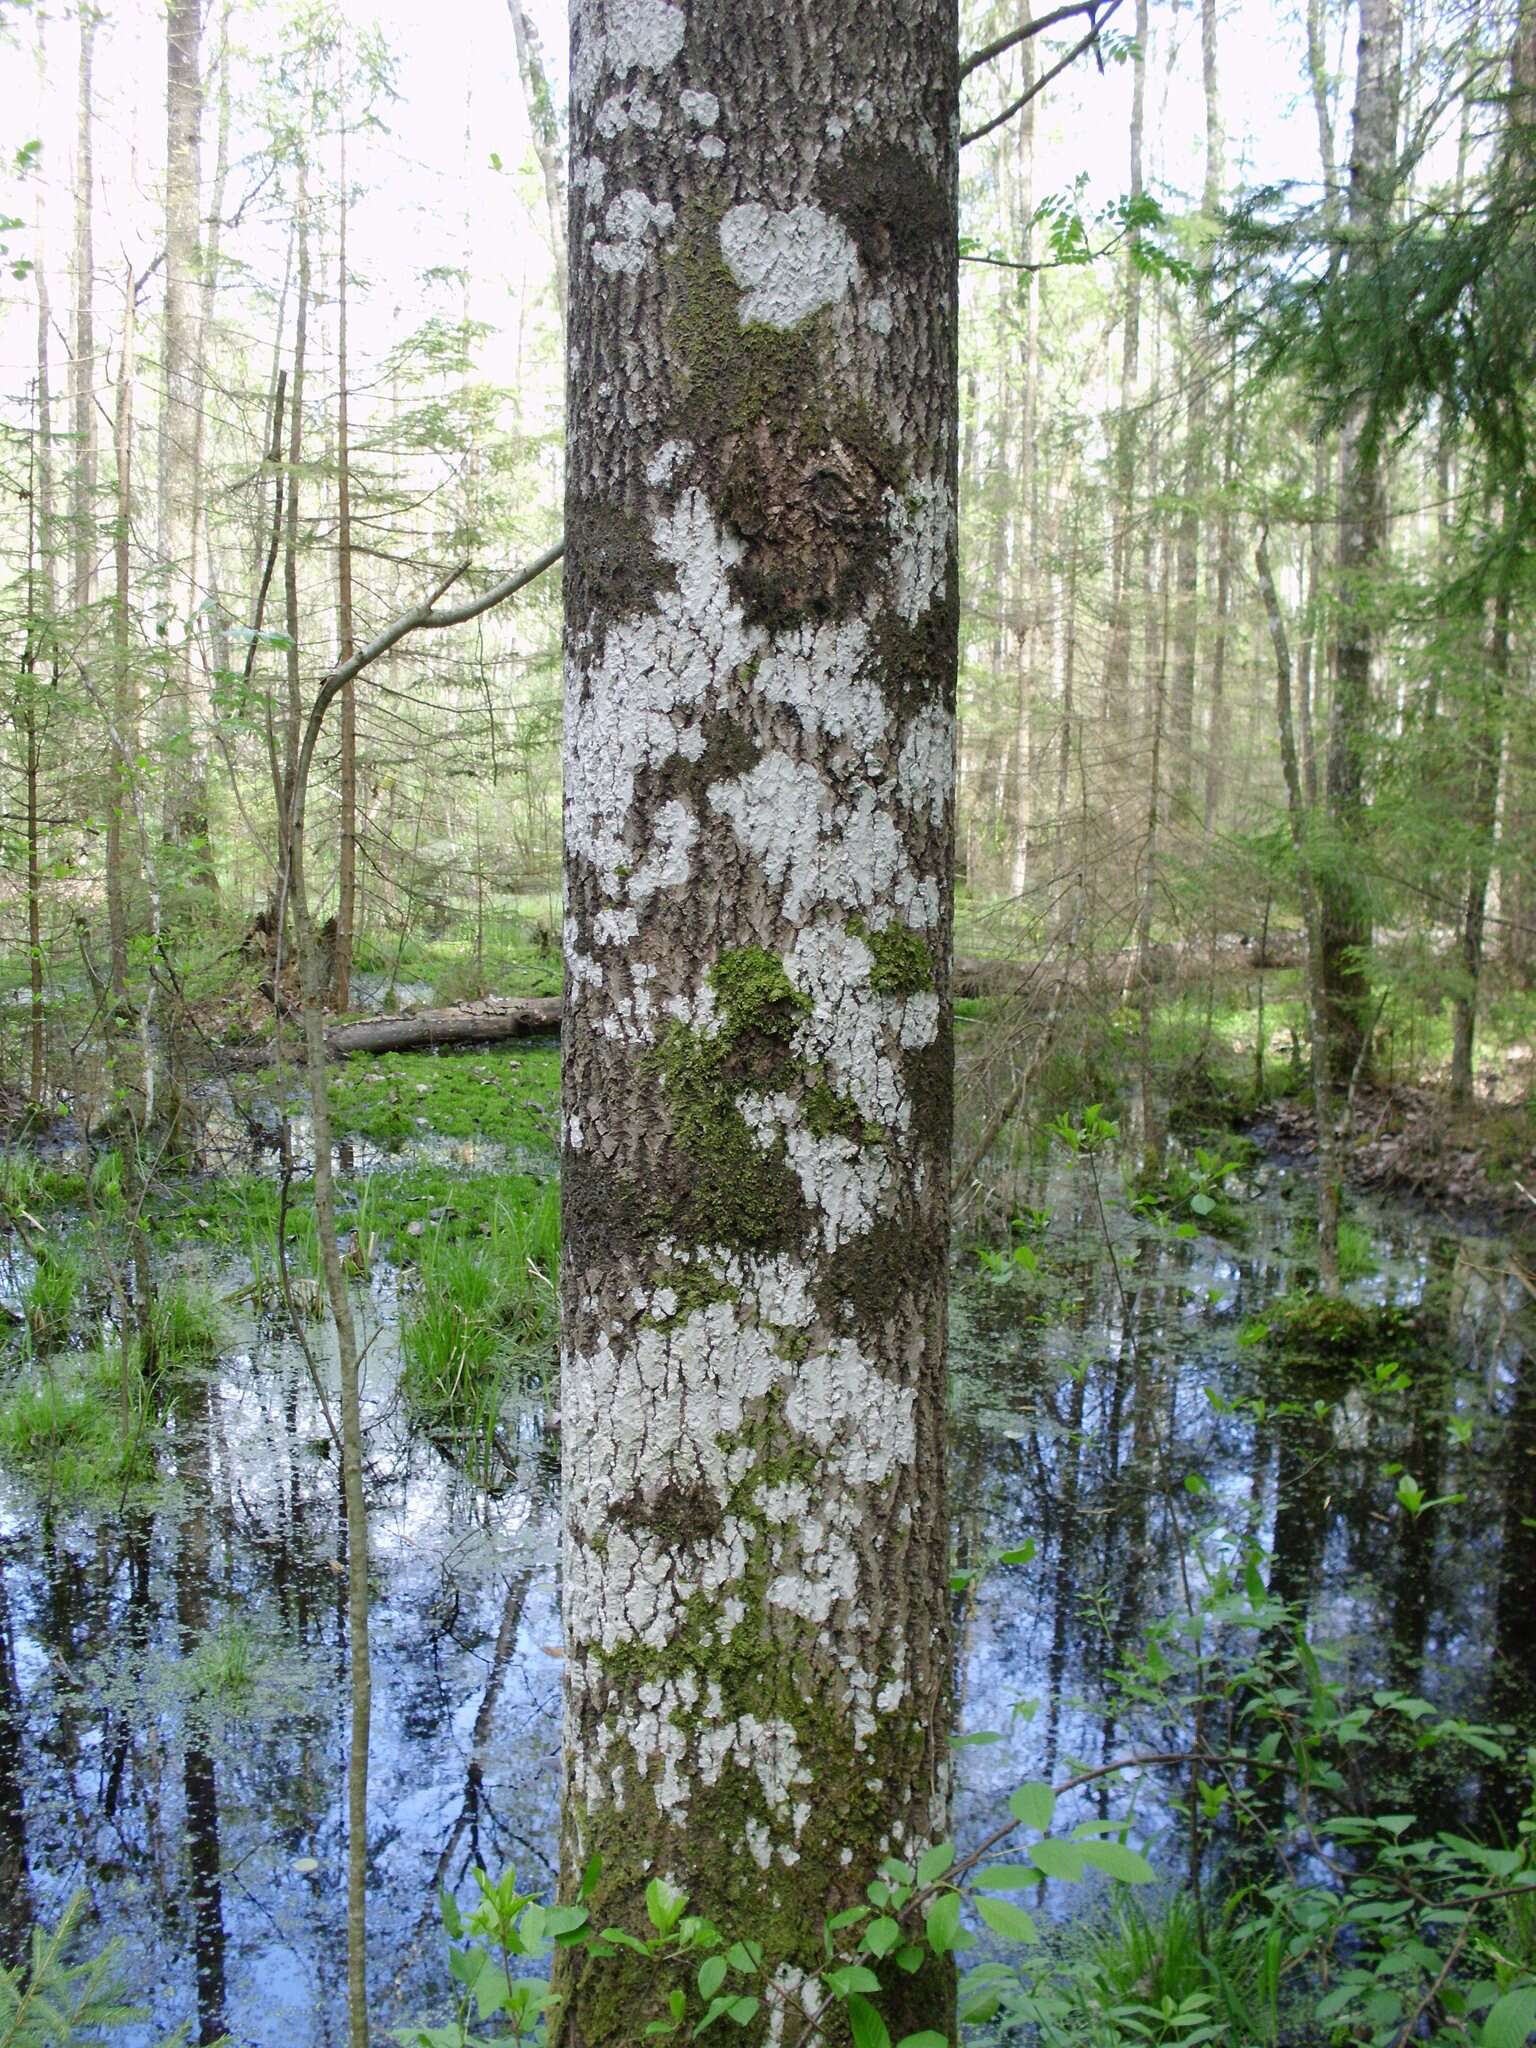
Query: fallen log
485, 1023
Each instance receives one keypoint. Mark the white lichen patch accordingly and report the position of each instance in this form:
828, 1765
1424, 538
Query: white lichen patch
632, 225
590, 175
925, 767
665, 463
628, 110
824, 673
701, 108
819, 848
851, 1030
636, 35
790, 264
921, 521
636, 706
845, 1185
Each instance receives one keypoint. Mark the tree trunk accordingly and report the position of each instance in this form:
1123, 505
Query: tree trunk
1487, 736
761, 636
82, 369
1119, 725
1330, 1175
187, 794
548, 146
346, 863
1345, 912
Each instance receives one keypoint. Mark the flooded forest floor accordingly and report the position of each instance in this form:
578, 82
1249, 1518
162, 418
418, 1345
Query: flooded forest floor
1146, 1396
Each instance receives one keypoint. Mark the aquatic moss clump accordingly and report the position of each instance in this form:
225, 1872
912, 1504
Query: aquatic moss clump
1317, 1336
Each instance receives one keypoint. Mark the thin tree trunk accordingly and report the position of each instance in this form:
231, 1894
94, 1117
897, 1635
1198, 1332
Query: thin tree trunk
124, 743
548, 145
761, 634
82, 370
186, 803
1345, 911
1119, 721
346, 864
1487, 737
294, 718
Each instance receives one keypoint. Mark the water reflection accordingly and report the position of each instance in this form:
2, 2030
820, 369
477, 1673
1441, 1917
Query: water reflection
173, 1712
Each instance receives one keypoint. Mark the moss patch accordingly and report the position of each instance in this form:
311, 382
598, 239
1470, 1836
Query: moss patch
1322, 1337
903, 960
890, 203
734, 375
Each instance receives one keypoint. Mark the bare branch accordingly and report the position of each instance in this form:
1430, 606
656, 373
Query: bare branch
1024, 31
1086, 42
421, 618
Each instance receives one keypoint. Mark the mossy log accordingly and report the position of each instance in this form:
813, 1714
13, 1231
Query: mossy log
483, 1023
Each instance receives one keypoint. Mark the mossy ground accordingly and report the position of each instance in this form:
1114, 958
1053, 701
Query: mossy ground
510, 1098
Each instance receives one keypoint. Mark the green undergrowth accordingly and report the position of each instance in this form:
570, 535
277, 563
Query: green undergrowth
518, 955
509, 1098
65, 1427
482, 1318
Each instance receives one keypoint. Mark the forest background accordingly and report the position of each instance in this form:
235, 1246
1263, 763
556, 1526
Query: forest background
1246, 765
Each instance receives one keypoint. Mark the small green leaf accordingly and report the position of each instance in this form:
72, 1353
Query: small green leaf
1024, 1554
934, 1862
881, 1936
869, 2030
1511, 2020
1006, 1919
1007, 1877
1034, 1804
850, 1978
1057, 1858
1118, 1862
942, 1922
711, 1975
924, 2040
664, 1904
743, 2011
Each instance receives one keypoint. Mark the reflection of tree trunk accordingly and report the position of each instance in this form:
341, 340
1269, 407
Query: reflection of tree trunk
199, 1783
136, 1626
15, 1880
468, 1821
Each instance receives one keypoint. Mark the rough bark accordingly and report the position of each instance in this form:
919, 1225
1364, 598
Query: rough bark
761, 600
